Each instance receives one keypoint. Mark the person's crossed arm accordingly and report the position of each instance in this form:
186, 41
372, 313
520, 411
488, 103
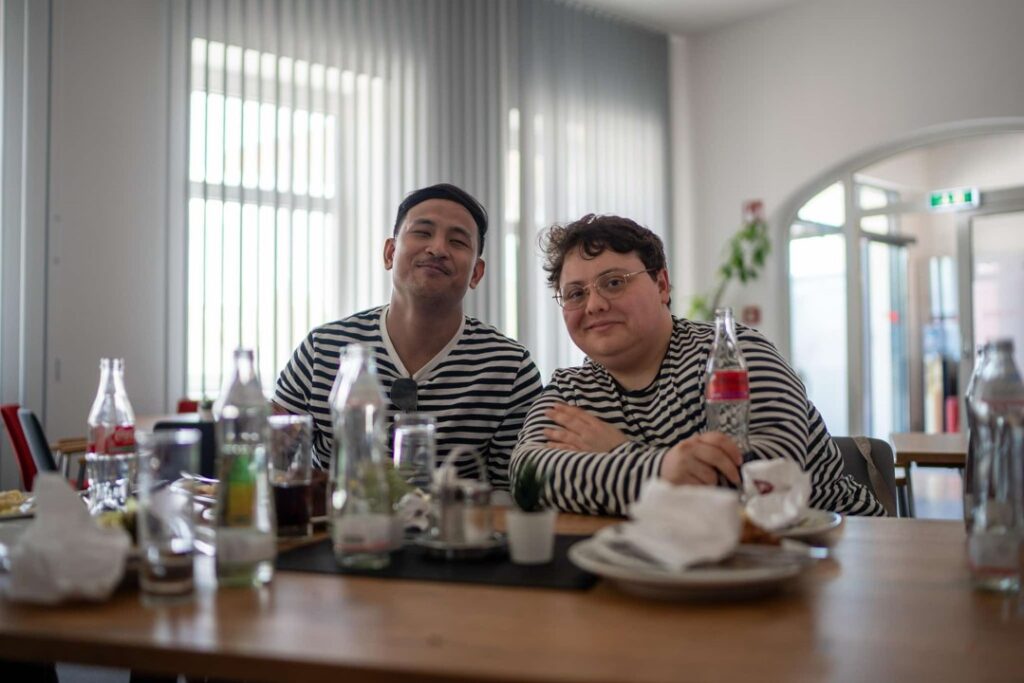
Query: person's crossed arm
699, 459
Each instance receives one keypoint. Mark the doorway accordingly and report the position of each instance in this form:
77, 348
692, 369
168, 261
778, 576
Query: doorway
889, 292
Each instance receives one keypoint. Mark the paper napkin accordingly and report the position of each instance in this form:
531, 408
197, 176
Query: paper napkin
776, 492
678, 526
63, 554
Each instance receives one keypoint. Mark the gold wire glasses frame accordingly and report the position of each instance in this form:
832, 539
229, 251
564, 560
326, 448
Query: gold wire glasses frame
609, 286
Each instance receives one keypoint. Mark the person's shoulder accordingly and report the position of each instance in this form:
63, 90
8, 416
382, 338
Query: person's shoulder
578, 375
479, 334
358, 328
748, 336
703, 332
690, 334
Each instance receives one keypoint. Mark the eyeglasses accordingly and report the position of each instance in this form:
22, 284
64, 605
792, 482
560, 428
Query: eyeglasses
609, 286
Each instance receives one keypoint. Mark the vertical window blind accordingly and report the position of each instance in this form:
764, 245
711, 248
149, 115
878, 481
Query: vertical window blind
309, 120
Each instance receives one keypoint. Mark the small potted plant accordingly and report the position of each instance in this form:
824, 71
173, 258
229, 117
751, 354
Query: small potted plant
530, 525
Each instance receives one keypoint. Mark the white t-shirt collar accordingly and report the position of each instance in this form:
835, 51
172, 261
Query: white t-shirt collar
432, 363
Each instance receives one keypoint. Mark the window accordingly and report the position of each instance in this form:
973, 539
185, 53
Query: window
264, 257
309, 122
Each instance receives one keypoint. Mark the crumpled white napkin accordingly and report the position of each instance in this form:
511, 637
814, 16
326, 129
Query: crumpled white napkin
64, 554
679, 526
777, 492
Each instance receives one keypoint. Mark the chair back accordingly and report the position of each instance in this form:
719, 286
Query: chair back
26, 465
855, 463
37, 443
187, 405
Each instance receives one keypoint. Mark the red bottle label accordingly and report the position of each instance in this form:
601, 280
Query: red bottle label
728, 385
121, 439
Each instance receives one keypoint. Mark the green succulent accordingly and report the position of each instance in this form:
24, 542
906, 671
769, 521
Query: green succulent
528, 487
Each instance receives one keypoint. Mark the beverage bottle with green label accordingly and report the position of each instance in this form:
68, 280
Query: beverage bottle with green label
245, 534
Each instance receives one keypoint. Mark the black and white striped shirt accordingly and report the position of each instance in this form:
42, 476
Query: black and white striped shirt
478, 387
783, 424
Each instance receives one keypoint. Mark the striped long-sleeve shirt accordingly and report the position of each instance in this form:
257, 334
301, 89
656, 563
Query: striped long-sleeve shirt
478, 387
783, 424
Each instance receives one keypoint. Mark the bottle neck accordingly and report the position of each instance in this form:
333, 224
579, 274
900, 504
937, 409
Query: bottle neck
725, 327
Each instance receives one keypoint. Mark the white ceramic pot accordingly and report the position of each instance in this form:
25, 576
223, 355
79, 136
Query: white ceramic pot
531, 535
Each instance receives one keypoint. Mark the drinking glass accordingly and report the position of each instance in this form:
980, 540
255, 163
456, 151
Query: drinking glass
415, 448
166, 526
291, 470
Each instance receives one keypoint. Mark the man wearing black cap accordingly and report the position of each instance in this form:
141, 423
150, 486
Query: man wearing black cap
430, 356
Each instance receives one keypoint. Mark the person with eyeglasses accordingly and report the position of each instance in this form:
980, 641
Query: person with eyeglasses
431, 357
635, 409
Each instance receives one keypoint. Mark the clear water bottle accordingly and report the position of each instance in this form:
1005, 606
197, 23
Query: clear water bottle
245, 534
110, 451
973, 386
993, 543
726, 383
359, 495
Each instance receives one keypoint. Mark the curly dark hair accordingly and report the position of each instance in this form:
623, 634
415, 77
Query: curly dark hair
592, 235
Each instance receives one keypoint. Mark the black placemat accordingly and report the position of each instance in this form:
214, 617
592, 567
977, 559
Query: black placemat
411, 562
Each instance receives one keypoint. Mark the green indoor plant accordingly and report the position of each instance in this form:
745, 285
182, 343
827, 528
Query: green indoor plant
528, 488
530, 524
746, 253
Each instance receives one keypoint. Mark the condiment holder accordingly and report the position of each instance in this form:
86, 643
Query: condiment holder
463, 518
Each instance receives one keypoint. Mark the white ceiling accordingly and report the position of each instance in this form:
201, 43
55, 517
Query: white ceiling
685, 17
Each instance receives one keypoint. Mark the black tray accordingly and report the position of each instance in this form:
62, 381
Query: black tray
414, 563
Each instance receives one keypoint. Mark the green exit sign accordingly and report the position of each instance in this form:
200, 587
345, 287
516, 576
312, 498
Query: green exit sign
957, 198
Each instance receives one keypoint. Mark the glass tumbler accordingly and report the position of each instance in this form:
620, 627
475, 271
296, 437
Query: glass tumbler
291, 473
415, 449
166, 523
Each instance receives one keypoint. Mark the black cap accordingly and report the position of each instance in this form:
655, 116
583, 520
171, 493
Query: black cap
452, 194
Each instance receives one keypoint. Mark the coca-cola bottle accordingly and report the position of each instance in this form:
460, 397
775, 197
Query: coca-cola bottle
726, 383
111, 444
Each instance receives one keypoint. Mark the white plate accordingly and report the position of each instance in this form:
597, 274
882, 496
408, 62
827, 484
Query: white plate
818, 527
754, 570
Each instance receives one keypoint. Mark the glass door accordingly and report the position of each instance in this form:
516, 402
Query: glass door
849, 335
996, 259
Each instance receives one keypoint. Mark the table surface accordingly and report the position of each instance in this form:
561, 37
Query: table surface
936, 450
894, 603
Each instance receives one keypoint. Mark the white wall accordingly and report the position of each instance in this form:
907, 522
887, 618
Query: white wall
780, 99
107, 270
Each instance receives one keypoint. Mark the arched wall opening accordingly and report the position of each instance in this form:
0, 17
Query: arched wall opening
880, 289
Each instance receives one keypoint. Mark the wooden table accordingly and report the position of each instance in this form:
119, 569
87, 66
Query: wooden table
930, 450
927, 450
893, 605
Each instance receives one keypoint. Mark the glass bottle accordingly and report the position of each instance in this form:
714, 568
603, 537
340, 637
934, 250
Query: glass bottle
111, 444
998, 517
726, 383
245, 533
358, 494
973, 386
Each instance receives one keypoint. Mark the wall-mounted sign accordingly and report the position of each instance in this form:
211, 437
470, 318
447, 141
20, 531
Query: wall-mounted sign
954, 199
